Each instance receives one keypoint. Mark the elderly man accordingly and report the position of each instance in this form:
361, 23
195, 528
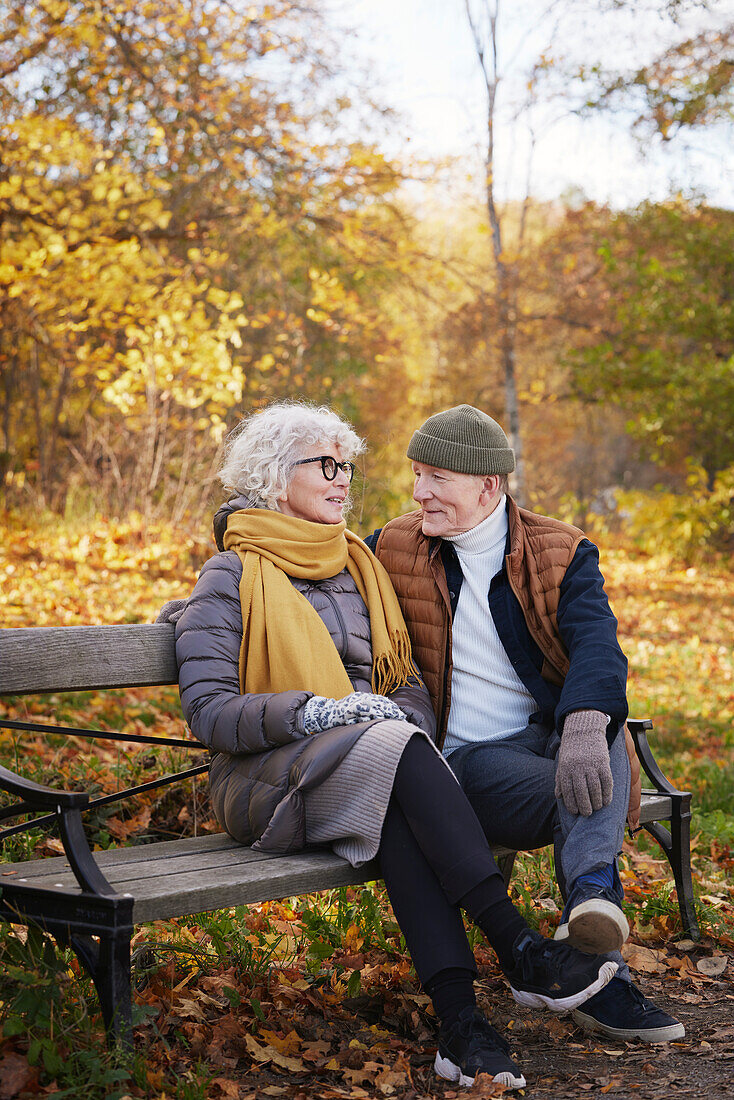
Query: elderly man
512, 629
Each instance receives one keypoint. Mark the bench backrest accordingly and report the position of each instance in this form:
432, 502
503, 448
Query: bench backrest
82, 658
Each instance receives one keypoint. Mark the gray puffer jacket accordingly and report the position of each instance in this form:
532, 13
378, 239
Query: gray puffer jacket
261, 763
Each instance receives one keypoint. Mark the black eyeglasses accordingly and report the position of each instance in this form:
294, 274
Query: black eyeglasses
329, 466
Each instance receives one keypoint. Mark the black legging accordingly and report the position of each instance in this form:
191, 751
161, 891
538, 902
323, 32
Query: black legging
435, 858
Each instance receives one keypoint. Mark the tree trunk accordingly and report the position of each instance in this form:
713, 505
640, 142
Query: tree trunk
506, 274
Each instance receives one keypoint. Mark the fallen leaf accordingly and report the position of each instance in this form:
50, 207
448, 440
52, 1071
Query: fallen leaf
121, 830
357, 1076
226, 1087
643, 959
189, 1008
713, 966
712, 899
723, 1033
684, 966
15, 1073
486, 1086
270, 1054
50, 846
393, 1078
314, 1052
289, 1044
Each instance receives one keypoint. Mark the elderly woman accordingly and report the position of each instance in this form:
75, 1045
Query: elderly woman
295, 670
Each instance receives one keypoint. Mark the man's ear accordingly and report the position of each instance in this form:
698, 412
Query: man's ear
491, 485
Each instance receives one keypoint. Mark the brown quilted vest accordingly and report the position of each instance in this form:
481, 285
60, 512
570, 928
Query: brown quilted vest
541, 549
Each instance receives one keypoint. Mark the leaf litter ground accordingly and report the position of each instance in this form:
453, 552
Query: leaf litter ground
292, 1003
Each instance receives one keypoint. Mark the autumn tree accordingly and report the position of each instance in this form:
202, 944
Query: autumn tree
184, 231
662, 341
483, 19
687, 85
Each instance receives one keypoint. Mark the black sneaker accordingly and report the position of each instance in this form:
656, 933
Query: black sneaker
593, 921
472, 1046
548, 974
621, 1012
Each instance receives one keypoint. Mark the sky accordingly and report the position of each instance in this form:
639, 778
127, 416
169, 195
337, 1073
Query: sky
420, 55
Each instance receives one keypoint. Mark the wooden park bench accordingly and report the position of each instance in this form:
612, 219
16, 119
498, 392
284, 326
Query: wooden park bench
92, 901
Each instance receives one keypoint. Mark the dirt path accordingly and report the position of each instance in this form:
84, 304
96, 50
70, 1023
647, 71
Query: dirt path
381, 1044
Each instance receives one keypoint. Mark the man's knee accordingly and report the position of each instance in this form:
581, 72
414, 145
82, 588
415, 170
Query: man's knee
511, 793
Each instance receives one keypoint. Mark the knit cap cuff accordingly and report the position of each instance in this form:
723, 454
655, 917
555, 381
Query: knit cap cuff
462, 458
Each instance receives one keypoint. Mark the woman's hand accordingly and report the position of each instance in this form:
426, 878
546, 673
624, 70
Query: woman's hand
320, 713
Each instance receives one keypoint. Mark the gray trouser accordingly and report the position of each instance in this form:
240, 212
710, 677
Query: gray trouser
511, 786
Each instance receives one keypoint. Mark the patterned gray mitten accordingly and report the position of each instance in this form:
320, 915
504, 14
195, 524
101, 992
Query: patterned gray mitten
320, 713
583, 773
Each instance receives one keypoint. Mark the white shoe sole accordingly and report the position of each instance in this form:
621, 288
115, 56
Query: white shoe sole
648, 1035
447, 1069
595, 927
563, 1004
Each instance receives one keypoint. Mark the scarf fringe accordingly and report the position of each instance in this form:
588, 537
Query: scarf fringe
392, 670
286, 645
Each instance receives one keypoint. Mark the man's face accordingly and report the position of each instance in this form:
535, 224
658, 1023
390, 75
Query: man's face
452, 503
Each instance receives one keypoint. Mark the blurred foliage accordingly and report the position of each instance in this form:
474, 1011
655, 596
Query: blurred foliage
189, 229
662, 342
688, 84
184, 233
689, 526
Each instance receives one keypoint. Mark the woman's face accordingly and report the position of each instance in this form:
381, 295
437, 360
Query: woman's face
309, 495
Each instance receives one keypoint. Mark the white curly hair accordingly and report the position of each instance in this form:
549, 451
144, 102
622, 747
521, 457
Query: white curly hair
260, 454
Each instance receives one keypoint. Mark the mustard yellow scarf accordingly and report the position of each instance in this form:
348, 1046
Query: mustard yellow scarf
285, 644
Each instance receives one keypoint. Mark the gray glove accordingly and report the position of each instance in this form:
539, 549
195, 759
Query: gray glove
171, 612
583, 773
320, 713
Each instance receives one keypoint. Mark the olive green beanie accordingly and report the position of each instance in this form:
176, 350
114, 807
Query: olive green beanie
463, 439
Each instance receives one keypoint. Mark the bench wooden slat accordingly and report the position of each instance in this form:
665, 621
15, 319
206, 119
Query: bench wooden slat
655, 807
171, 869
145, 861
205, 873
85, 658
194, 889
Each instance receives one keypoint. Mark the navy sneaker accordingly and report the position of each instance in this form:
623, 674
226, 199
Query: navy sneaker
472, 1046
621, 1012
593, 921
553, 975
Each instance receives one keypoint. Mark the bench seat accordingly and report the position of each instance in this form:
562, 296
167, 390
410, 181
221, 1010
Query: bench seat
175, 878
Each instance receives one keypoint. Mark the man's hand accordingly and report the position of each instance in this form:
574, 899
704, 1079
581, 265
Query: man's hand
583, 773
320, 713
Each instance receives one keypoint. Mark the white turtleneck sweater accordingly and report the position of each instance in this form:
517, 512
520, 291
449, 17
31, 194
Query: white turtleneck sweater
488, 699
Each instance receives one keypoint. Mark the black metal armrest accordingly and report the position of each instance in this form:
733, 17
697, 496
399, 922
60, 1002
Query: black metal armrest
638, 728
65, 807
41, 798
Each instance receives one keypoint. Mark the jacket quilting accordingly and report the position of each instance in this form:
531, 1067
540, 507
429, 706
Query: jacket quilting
261, 763
550, 592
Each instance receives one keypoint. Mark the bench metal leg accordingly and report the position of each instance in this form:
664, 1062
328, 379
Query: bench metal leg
676, 843
505, 864
108, 964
